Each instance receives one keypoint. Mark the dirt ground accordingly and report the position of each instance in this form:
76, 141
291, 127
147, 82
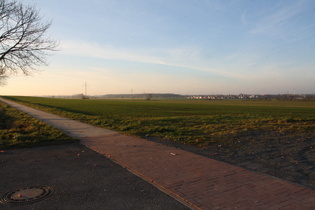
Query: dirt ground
287, 156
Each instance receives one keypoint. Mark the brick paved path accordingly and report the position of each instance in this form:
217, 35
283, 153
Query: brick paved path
199, 181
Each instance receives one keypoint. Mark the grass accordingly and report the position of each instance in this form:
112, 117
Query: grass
198, 123
19, 130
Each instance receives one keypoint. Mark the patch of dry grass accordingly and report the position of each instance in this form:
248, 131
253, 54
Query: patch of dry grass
18, 130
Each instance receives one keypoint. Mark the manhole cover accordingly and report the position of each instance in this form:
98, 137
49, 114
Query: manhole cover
27, 195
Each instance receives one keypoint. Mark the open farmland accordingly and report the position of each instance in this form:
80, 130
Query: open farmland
274, 137
200, 123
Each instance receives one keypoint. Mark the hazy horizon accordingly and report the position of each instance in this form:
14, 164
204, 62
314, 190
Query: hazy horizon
155, 93
183, 47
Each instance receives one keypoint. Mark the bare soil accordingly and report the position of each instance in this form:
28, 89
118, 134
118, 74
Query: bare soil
287, 156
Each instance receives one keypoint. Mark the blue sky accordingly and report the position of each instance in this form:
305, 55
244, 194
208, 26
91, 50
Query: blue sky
176, 46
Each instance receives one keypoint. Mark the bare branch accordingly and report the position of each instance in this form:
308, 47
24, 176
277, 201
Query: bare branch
23, 41
3, 80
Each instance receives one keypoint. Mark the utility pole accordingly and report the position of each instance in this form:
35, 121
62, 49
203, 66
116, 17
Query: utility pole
85, 85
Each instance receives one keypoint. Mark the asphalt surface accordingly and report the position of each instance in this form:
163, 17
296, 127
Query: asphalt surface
81, 178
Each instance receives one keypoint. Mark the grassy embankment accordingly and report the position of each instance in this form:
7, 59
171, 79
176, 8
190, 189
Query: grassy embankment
198, 123
19, 130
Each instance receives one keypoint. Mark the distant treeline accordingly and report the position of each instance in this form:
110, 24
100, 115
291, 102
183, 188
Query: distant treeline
149, 96
143, 95
122, 96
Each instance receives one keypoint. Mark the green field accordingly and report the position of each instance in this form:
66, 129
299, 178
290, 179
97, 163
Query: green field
200, 123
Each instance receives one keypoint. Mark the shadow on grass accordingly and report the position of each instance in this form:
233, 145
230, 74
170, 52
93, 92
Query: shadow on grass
19, 130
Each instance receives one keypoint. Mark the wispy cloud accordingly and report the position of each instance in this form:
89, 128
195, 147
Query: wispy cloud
94, 50
179, 57
270, 24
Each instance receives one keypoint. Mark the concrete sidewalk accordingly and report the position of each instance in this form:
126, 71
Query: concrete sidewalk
199, 181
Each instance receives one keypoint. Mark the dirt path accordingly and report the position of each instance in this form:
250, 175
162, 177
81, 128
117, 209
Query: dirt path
200, 181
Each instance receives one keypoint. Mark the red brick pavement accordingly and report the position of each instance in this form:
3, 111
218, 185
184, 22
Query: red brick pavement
202, 182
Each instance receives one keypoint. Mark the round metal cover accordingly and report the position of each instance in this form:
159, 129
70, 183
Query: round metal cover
27, 195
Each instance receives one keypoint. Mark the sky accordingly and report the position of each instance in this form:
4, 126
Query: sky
192, 47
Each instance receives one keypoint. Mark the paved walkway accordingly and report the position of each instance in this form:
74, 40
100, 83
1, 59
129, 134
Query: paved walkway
201, 182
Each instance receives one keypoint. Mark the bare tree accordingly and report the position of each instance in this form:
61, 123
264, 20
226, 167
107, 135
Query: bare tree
23, 41
3, 80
